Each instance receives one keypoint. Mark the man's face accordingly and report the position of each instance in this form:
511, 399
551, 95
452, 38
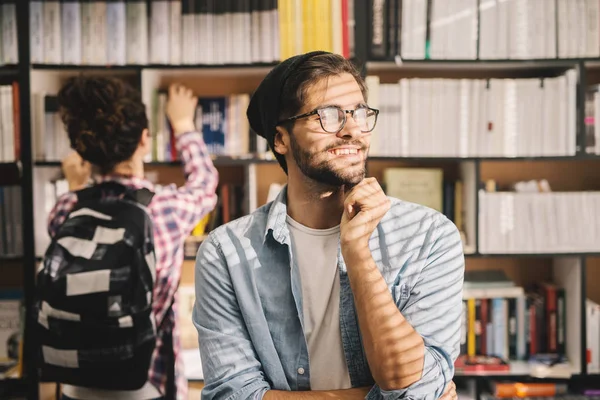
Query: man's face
334, 159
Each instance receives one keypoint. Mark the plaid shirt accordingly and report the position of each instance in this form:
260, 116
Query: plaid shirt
175, 211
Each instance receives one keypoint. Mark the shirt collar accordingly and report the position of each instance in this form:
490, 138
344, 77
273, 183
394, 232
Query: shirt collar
276, 219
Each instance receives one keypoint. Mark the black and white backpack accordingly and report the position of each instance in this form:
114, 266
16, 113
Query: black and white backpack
93, 306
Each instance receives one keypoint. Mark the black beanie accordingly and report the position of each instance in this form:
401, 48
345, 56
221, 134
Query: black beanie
263, 110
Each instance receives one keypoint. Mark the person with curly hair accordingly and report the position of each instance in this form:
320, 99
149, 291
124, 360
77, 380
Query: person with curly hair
108, 129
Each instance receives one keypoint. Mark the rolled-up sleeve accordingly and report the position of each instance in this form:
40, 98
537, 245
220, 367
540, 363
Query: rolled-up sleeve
434, 311
229, 362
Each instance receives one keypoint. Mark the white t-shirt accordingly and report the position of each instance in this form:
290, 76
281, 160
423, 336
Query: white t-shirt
315, 252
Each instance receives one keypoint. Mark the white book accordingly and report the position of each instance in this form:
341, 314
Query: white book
36, 31
206, 28
592, 313
246, 43
116, 22
7, 107
219, 35
159, 31
10, 52
503, 31
255, 30
175, 27
5, 120
52, 32
99, 32
87, 33
571, 131
593, 28
71, 32
137, 32
188, 35
563, 29
462, 134
273, 20
238, 35
336, 26
230, 33
551, 29
493, 292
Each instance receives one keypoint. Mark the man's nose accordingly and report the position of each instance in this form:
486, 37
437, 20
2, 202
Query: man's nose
351, 128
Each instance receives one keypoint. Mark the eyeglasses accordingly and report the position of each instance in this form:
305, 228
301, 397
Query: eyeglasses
333, 118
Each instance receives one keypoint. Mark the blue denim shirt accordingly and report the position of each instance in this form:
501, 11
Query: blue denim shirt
248, 309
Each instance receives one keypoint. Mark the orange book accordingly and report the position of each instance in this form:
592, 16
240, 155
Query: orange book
518, 389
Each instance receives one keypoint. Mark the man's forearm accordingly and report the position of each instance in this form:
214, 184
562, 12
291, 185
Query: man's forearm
395, 351
347, 394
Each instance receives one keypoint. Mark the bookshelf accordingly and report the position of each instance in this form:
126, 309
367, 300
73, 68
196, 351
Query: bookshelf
576, 270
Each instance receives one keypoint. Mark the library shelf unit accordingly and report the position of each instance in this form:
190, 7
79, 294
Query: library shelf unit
577, 271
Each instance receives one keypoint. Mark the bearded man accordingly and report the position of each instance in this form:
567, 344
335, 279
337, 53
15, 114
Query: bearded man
332, 290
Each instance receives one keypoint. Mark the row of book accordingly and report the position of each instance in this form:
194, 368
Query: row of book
491, 29
512, 323
186, 31
536, 220
157, 32
475, 117
478, 117
10, 136
11, 224
222, 121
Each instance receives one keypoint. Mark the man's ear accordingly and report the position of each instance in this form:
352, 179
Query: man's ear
281, 140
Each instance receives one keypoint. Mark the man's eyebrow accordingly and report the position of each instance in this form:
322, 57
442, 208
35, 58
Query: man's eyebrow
361, 104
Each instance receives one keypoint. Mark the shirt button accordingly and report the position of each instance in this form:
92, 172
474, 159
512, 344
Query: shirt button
301, 371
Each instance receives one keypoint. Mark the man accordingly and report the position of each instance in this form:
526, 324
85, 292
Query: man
333, 290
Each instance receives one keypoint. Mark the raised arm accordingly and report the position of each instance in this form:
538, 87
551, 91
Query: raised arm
197, 196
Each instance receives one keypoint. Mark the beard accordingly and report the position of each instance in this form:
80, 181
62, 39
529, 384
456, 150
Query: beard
322, 172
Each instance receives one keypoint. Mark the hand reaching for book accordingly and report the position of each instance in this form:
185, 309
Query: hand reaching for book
180, 109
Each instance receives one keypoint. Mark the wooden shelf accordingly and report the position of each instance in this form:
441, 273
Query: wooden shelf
218, 161
139, 67
54, 67
580, 157
531, 255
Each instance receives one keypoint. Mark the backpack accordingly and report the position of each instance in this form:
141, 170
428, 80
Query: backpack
93, 303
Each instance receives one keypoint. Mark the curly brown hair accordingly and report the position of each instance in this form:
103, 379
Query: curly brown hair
104, 118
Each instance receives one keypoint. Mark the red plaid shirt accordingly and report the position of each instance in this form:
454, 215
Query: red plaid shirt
175, 211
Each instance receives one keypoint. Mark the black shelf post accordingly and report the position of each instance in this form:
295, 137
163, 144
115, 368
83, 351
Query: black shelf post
29, 353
